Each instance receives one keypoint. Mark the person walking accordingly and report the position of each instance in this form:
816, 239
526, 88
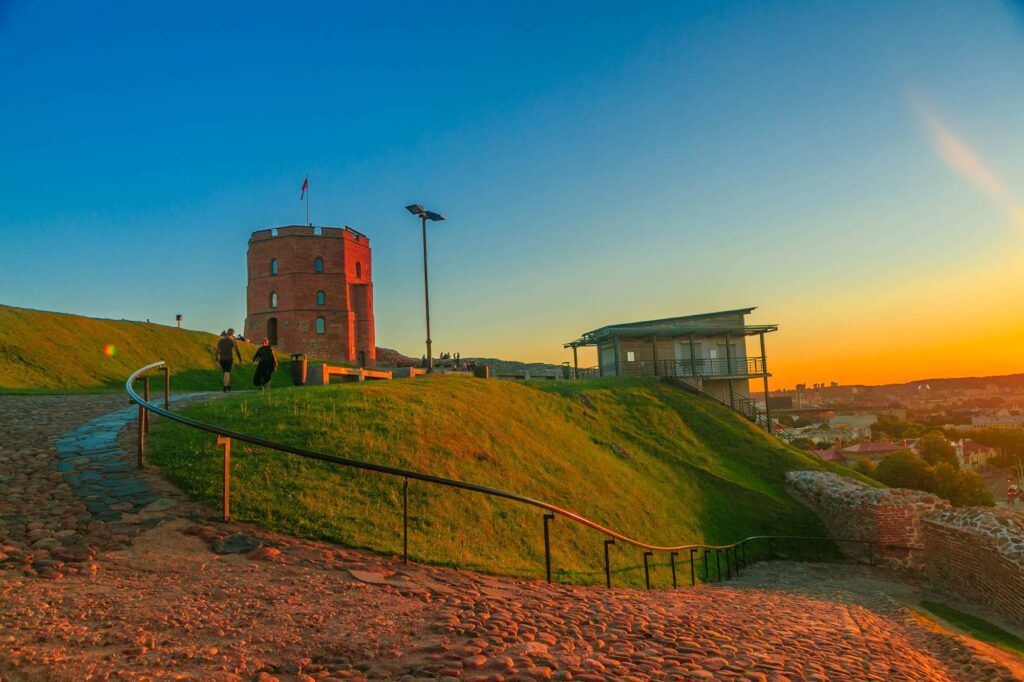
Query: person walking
225, 346
266, 365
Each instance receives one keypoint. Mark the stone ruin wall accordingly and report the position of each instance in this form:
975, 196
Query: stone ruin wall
890, 517
975, 552
978, 552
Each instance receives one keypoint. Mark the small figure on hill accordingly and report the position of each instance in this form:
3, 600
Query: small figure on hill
266, 365
225, 346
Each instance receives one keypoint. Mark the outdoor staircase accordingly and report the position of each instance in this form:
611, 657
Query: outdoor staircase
745, 406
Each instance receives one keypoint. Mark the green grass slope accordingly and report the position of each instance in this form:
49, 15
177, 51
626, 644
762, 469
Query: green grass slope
643, 458
57, 352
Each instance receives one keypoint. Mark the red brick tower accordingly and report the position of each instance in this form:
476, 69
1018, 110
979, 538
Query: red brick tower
310, 291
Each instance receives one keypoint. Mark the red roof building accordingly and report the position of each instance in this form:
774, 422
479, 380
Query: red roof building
870, 449
829, 455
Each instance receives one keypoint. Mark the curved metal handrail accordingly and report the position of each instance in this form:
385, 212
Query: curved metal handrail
395, 471
439, 480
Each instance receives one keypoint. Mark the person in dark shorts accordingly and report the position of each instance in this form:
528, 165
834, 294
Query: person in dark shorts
266, 365
225, 346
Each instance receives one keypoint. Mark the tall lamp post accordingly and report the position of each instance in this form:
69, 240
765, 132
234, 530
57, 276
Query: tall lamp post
424, 216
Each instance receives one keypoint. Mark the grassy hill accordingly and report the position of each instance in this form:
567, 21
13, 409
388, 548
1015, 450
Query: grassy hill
55, 352
633, 454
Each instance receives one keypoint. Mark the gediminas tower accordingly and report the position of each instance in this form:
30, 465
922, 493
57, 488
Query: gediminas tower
310, 291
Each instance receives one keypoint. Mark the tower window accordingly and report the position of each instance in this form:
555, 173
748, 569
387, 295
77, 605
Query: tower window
320, 325
359, 270
273, 299
321, 298
273, 266
318, 264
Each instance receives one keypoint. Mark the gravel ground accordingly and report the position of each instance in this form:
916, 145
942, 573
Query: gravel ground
146, 596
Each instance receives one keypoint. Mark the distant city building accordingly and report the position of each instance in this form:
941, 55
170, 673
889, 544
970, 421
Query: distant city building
870, 450
311, 291
1000, 422
973, 455
829, 455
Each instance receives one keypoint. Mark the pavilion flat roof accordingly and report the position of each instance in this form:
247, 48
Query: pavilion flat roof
699, 326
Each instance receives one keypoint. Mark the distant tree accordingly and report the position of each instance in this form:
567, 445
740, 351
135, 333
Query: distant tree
904, 469
907, 470
896, 429
913, 431
804, 443
866, 467
934, 449
961, 488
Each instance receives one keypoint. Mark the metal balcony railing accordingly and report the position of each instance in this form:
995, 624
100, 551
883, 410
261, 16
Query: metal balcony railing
704, 368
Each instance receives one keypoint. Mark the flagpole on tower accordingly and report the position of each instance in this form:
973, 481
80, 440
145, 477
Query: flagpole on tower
305, 195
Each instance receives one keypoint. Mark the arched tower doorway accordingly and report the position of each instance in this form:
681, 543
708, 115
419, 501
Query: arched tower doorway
272, 330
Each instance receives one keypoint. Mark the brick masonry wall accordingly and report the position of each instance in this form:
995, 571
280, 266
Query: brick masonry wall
975, 552
891, 517
978, 552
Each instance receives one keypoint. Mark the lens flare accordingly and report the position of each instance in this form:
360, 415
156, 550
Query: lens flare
110, 350
959, 156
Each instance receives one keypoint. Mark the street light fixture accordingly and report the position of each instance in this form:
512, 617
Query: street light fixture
424, 216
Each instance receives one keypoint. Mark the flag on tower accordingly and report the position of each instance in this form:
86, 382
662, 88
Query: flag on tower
305, 186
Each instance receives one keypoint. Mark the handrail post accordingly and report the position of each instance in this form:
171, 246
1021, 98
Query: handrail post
707, 573
744, 547
547, 545
142, 434
145, 394
167, 386
728, 569
718, 564
607, 563
647, 569
693, 577
405, 520
226, 442
672, 559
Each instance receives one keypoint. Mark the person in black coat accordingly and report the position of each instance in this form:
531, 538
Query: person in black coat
266, 365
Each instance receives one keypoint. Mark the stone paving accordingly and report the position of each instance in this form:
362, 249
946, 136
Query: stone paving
160, 603
106, 476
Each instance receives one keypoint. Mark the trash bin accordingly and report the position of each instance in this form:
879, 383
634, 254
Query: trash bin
298, 368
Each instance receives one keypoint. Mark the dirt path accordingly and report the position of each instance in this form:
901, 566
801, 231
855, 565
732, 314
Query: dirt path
156, 602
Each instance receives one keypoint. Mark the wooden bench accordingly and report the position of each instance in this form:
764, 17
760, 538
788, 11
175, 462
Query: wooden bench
320, 375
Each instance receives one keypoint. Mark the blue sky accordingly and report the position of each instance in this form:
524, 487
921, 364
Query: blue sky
598, 162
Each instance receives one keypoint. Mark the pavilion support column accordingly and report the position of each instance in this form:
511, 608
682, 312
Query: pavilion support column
618, 360
693, 357
728, 364
654, 352
764, 374
575, 364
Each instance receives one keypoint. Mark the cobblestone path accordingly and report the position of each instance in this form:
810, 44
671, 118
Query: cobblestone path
104, 475
141, 602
